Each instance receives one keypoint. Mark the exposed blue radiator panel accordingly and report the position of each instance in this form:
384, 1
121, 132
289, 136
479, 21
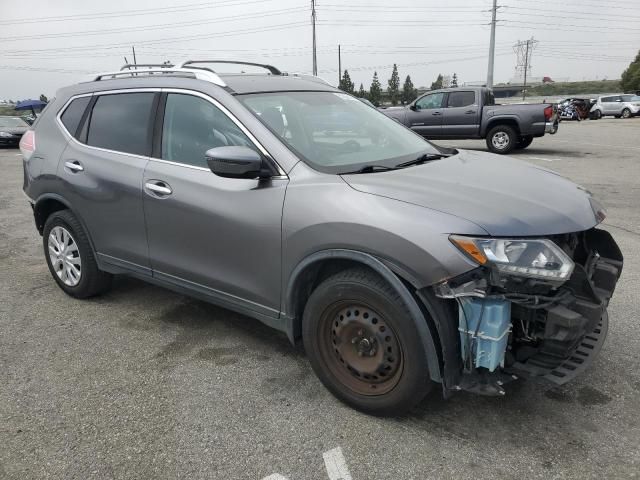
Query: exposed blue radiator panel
484, 327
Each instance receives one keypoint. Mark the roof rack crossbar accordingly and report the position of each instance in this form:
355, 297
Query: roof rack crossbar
273, 70
198, 73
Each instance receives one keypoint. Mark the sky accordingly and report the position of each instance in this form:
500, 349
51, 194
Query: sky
47, 45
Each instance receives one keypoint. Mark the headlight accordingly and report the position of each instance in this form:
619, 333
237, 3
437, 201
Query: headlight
6, 134
541, 258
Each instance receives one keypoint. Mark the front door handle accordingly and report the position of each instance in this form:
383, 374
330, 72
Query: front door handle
436, 113
158, 187
74, 166
469, 112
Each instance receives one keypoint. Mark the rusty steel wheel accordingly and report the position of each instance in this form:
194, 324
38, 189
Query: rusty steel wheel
363, 343
361, 348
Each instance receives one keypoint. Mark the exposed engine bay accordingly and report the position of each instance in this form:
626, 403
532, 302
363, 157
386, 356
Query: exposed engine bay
513, 322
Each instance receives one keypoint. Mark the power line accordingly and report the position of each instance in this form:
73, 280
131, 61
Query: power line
266, 13
130, 13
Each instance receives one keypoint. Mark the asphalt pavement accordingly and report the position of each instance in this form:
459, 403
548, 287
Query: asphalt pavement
144, 383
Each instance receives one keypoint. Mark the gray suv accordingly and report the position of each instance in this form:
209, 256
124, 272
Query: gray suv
400, 265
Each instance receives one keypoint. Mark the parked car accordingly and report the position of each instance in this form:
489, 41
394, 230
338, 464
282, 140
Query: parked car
400, 265
472, 113
624, 105
11, 131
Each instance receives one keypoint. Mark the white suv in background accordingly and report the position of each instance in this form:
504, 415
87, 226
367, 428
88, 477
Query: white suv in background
624, 106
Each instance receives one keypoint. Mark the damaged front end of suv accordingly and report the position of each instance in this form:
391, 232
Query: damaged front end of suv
534, 307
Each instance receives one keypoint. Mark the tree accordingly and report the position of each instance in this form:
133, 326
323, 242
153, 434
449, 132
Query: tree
454, 81
362, 93
375, 92
346, 85
394, 85
408, 91
438, 83
43, 98
630, 79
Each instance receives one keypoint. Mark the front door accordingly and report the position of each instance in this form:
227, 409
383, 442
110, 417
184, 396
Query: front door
219, 236
102, 170
425, 116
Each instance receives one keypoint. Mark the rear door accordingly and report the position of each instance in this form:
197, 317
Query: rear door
426, 115
462, 115
219, 236
102, 169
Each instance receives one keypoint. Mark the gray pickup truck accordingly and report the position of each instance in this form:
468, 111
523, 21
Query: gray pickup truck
461, 113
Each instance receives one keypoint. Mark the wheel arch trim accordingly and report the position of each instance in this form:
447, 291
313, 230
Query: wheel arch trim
389, 271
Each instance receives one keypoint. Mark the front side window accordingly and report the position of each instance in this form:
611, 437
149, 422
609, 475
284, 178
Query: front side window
433, 100
193, 125
461, 99
335, 132
122, 122
72, 115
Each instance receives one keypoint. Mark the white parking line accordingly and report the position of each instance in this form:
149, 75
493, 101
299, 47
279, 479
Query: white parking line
546, 159
605, 145
336, 465
275, 476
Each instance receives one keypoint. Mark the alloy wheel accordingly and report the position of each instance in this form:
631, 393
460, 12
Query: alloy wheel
65, 256
500, 140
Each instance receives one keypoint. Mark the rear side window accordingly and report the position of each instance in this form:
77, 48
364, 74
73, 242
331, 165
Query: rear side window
461, 99
122, 122
72, 115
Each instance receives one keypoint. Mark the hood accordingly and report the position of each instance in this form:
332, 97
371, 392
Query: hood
504, 196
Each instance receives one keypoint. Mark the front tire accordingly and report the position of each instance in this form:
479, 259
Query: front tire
502, 139
626, 113
362, 343
597, 115
70, 257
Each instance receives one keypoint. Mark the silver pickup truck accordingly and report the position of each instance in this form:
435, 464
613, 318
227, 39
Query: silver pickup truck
461, 113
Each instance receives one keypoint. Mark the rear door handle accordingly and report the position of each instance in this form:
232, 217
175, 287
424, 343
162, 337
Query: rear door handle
158, 187
469, 112
74, 166
436, 113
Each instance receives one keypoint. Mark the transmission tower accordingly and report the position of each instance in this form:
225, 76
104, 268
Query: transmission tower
523, 50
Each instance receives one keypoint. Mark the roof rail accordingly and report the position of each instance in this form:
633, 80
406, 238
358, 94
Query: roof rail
306, 76
129, 66
273, 70
198, 73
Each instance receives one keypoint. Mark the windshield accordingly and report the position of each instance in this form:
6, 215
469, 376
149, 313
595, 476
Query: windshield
12, 122
335, 132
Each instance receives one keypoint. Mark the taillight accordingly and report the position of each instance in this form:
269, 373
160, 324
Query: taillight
28, 144
548, 112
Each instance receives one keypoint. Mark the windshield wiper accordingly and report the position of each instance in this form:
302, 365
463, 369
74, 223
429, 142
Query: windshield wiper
370, 169
423, 158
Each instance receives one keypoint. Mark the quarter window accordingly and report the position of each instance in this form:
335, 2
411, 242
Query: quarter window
122, 122
461, 99
193, 125
72, 115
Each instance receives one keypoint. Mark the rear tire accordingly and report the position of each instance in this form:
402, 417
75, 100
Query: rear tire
502, 139
524, 142
361, 341
626, 113
70, 257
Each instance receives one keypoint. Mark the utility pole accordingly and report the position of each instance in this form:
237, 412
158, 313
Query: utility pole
523, 61
135, 62
492, 44
313, 23
339, 67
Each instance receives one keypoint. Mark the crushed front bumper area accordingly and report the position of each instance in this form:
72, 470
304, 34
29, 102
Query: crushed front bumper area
554, 332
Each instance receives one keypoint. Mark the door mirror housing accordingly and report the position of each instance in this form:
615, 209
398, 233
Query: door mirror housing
236, 162
414, 106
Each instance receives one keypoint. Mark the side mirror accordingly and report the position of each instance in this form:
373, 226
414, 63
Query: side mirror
414, 107
236, 162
